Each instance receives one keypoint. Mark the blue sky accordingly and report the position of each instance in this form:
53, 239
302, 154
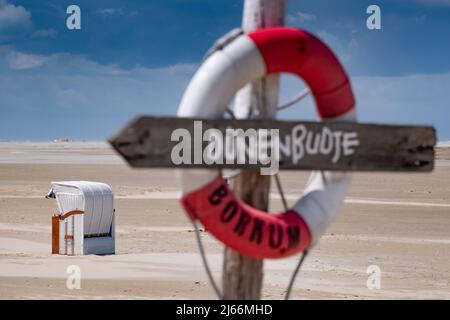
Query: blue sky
136, 57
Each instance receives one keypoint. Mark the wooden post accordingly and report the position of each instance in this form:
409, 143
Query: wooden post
243, 276
55, 234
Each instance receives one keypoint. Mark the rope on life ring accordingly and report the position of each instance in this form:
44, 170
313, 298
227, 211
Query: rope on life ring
205, 194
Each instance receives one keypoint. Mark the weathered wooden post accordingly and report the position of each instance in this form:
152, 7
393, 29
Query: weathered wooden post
242, 276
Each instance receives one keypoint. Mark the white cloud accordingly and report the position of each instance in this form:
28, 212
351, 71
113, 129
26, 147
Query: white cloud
21, 61
110, 12
13, 17
353, 44
301, 17
445, 3
44, 33
81, 98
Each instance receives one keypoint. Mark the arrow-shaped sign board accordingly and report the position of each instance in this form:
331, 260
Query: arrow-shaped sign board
168, 142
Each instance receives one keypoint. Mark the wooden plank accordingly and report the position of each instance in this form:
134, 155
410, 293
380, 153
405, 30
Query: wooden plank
70, 213
146, 143
55, 234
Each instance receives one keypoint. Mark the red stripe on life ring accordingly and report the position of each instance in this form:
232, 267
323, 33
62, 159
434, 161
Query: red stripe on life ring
250, 231
299, 52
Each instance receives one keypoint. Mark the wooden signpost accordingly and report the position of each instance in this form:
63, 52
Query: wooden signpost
154, 142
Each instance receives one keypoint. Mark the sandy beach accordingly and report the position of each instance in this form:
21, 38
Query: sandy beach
398, 222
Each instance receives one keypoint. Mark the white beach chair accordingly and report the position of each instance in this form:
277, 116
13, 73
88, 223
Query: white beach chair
86, 218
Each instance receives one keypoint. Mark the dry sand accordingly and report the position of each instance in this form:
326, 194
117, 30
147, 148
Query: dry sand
399, 222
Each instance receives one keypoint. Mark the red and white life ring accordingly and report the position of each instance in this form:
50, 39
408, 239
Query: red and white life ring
205, 194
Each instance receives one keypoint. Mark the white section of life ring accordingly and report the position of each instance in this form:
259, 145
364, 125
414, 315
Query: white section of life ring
210, 91
324, 193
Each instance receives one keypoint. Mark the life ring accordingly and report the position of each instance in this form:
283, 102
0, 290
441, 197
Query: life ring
205, 194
